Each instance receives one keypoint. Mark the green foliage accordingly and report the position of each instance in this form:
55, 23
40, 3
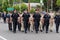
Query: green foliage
38, 6
5, 5
58, 2
32, 1
23, 7
16, 7
35, 1
32, 10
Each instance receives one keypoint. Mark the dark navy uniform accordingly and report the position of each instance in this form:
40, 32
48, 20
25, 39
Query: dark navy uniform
36, 17
57, 22
9, 21
15, 18
46, 22
4, 17
26, 20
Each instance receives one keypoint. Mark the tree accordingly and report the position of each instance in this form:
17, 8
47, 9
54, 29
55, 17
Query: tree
5, 5
58, 2
23, 7
32, 1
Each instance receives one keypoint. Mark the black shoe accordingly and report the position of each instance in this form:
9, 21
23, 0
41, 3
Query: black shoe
46, 32
25, 32
31, 31
10, 29
57, 32
51, 31
41, 30
19, 30
36, 32
14, 31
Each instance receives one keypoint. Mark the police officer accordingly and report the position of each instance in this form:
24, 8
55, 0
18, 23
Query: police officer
15, 20
57, 22
9, 20
26, 16
36, 17
0, 15
4, 15
46, 21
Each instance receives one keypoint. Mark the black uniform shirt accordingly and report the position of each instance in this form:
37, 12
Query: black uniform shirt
57, 18
15, 17
36, 17
46, 18
26, 17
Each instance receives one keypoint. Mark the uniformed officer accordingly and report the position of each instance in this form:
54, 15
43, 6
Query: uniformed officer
57, 22
9, 20
15, 20
36, 17
4, 15
46, 21
26, 16
0, 15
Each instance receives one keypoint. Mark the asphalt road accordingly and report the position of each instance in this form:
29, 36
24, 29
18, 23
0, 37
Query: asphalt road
5, 34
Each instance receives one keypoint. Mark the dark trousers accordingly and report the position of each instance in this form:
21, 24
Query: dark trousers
57, 26
25, 26
19, 26
14, 26
36, 24
46, 25
4, 20
10, 26
28, 26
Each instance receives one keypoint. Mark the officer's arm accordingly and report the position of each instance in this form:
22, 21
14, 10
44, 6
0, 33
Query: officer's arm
7, 18
44, 16
12, 15
29, 15
33, 15
49, 16
23, 15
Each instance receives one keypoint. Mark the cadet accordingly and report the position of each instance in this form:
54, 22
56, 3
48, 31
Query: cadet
41, 22
31, 22
19, 22
57, 22
46, 21
51, 20
26, 16
15, 20
9, 20
22, 23
36, 17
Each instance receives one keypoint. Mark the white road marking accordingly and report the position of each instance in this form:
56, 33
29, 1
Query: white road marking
3, 38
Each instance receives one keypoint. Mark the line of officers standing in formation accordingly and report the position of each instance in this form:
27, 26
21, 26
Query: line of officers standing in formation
38, 21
